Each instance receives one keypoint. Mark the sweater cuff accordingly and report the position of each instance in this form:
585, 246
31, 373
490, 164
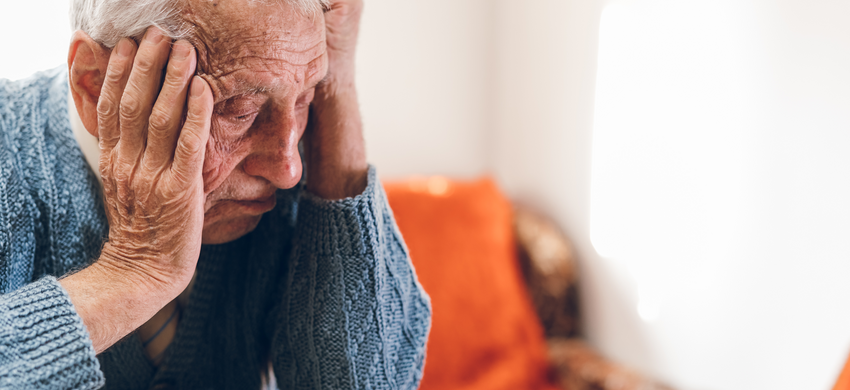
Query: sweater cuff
342, 227
51, 341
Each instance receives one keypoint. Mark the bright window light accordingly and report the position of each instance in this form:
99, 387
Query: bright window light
35, 36
721, 186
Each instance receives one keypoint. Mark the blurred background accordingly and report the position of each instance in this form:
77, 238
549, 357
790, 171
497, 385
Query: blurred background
697, 152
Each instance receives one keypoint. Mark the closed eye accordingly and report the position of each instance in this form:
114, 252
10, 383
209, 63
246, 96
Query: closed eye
244, 117
241, 109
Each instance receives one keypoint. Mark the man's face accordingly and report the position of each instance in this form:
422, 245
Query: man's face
263, 60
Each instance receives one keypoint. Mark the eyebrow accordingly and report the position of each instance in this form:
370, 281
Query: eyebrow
240, 92
245, 87
259, 90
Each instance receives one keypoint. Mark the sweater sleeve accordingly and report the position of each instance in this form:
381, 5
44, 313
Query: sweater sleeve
43, 342
353, 314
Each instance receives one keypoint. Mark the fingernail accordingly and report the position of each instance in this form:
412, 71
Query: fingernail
124, 48
197, 86
154, 35
180, 51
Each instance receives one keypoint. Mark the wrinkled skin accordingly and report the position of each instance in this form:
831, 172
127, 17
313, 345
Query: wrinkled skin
183, 168
263, 64
150, 172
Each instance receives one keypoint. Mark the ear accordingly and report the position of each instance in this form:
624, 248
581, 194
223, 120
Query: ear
87, 62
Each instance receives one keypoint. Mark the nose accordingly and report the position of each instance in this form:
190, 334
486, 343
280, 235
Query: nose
275, 155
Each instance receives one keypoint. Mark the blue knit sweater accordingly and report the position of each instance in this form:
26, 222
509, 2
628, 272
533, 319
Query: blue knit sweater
324, 290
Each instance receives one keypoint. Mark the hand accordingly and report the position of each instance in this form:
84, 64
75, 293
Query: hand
151, 160
152, 142
342, 25
333, 143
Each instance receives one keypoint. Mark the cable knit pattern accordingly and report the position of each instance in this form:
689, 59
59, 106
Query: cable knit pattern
352, 304
44, 342
323, 290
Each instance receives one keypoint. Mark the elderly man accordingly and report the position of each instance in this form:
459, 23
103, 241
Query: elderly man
161, 182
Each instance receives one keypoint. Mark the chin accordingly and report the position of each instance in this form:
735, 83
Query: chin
220, 232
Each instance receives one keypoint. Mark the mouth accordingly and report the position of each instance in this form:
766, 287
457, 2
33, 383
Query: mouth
255, 206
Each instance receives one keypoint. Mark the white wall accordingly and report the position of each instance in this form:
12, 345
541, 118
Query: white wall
717, 182
424, 75
708, 160
34, 35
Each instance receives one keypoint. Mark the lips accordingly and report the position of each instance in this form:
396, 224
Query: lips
255, 206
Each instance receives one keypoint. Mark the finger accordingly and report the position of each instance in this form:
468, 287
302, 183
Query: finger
117, 74
142, 88
167, 113
191, 146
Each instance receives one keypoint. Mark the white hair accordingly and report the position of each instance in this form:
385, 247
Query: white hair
107, 21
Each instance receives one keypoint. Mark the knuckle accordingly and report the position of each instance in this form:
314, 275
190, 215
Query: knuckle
106, 106
170, 91
193, 120
177, 69
121, 178
113, 77
144, 64
108, 140
190, 144
159, 123
131, 107
172, 84
171, 191
196, 117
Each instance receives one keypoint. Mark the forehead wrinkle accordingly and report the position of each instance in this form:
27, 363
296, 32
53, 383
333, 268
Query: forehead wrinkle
237, 31
243, 45
260, 63
230, 84
214, 59
265, 47
282, 66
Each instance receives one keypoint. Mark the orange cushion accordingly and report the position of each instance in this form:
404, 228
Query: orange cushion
485, 334
843, 382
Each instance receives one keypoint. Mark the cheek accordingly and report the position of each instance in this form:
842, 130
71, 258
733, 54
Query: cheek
212, 162
222, 156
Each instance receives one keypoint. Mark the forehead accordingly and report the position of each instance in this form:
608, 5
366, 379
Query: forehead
255, 44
